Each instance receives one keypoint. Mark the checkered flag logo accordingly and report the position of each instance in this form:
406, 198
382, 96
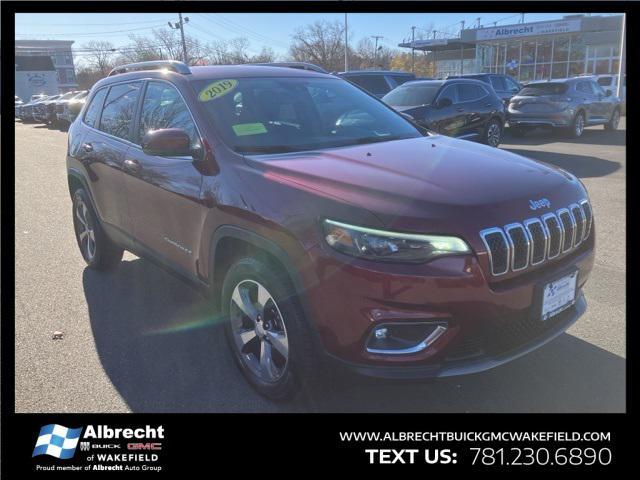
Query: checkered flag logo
57, 441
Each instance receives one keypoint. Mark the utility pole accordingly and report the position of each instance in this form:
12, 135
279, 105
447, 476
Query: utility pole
413, 51
375, 52
461, 49
478, 20
522, 18
180, 25
346, 44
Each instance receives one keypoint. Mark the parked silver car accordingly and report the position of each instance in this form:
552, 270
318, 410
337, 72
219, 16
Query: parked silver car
571, 104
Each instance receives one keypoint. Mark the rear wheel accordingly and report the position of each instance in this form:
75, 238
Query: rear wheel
97, 249
266, 329
614, 121
493, 133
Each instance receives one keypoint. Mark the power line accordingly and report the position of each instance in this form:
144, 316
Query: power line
89, 34
231, 25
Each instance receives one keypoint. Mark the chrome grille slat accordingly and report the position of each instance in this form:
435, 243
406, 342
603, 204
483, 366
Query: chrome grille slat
517, 246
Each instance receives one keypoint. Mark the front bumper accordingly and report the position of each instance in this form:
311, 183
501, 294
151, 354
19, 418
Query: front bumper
477, 364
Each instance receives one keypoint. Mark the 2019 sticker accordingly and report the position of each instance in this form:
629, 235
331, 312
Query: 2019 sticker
243, 129
217, 89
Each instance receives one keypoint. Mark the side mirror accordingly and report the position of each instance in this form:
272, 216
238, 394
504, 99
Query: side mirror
167, 142
444, 102
608, 93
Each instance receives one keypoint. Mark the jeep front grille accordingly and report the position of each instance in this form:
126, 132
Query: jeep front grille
516, 246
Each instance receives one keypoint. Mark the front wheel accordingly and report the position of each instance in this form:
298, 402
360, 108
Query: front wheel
577, 128
493, 133
266, 329
613, 122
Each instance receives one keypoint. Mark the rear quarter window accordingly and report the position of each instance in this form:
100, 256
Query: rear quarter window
119, 110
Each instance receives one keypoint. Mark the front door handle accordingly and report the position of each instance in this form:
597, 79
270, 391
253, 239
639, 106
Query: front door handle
132, 166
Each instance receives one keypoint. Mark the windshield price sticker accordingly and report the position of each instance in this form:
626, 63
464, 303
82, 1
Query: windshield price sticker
217, 89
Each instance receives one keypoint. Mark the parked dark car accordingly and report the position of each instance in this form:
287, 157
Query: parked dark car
74, 107
26, 110
504, 85
328, 230
462, 108
45, 111
377, 82
570, 104
63, 114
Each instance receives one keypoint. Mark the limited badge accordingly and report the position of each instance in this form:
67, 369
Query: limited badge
217, 89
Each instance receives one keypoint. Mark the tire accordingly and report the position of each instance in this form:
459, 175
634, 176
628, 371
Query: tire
613, 122
517, 131
280, 328
493, 133
577, 126
96, 248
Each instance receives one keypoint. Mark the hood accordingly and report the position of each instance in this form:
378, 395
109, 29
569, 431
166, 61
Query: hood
428, 177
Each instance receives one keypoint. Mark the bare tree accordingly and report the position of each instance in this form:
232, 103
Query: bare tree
368, 57
321, 43
99, 55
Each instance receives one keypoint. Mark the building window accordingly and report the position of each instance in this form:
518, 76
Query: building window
559, 70
68, 59
561, 49
71, 77
526, 73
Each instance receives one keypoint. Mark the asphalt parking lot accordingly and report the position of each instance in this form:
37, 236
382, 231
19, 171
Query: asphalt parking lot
139, 340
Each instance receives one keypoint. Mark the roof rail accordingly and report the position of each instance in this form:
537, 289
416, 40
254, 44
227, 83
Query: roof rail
174, 65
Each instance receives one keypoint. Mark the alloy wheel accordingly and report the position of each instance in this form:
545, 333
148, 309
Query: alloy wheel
85, 231
615, 120
259, 331
493, 135
579, 127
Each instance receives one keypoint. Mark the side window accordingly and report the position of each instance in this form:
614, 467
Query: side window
597, 89
400, 79
163, 107
511, 85
468, 92
119, 109
93, 110
584, 87
498, 83
450, 93
371, 83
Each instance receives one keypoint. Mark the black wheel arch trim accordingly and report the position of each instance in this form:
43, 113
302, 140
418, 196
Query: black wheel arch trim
259, 241
77, 175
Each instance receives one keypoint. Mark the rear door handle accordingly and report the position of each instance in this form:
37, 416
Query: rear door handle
460, 109
87, 147
132, 166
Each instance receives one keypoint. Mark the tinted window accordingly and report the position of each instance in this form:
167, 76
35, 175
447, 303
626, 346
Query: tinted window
274, 115
498, 84
538, 89
371, 83
597, 89
605, 81
468, 92
119, 108
584, 87
511, 85
448, 92
400, 79
93, 110
411, 95
163, 107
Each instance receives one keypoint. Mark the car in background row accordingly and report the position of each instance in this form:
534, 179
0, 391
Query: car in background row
17, 103
610, 82
25, 112
463, 108
504, 85
68, 109
45, 110
377, 82
571, 104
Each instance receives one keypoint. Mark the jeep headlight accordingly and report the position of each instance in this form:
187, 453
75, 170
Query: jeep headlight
381, 245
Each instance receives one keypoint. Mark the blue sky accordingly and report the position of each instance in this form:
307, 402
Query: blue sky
269, 29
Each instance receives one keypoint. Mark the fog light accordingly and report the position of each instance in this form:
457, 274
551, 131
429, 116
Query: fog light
404, 338
381, 333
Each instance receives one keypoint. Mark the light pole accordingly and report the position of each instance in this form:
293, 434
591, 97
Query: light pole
375, 51
180, 25
621, 62
346, 45
413, 50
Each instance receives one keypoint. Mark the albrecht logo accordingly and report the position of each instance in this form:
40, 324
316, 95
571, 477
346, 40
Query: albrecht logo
57, 441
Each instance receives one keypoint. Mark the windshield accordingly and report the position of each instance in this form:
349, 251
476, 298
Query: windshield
538, 89
275, 115
411, 95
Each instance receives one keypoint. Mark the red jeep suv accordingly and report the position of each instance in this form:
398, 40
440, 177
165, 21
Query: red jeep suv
327, 228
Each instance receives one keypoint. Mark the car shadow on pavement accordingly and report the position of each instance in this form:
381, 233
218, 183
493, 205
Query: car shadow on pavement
164, 351
582, 166
595, 136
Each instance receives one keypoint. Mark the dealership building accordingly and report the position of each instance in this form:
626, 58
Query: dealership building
60, 53
570, 46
